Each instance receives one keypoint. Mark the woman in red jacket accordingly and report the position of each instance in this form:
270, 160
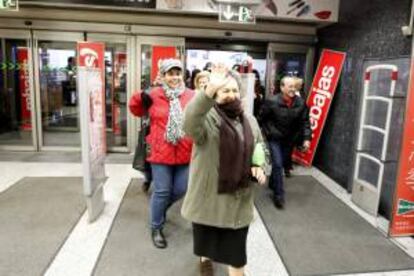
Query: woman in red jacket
170, 149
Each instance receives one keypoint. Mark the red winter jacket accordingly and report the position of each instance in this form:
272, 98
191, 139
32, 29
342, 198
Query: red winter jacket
161, 151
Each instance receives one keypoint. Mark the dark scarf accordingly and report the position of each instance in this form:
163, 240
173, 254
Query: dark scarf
235, 153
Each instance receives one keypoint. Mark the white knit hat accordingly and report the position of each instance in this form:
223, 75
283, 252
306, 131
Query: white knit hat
170, 63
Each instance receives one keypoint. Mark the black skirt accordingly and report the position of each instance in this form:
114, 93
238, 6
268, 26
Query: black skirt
222, 245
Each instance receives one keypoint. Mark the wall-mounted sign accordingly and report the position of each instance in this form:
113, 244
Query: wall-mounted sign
9, 5
236, 13
24, 85
402, 223
145, 4
298, 10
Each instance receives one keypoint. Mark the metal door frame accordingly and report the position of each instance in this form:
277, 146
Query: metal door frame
148, 40
292, 49
129, 41
51, 36
24, 34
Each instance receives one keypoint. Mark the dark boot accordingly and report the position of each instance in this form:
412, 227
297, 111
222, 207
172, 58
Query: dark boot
279, 203
158, 238
287, 173
145, 186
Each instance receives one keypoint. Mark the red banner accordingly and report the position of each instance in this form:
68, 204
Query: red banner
24, 87
160, 53
320, 98
120, 67
402, 223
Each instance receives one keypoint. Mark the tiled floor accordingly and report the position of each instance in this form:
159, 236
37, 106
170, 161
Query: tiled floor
81, 250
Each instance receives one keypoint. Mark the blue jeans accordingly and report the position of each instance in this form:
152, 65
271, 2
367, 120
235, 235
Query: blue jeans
169, 185
276, 179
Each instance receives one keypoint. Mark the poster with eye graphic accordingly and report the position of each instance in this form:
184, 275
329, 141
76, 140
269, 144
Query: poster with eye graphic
298, 10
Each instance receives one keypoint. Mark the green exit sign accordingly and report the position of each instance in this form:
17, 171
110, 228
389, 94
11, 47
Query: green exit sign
236, 13
9, 5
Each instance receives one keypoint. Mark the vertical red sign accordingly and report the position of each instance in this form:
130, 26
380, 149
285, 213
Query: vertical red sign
120, 66
24, 87
319, 100
159, 53
92, 62
402, 223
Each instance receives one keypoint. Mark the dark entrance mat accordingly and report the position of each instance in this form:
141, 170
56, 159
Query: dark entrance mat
37, 214
317, 234
129, 250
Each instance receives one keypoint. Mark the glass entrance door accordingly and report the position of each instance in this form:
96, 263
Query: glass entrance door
57, 93
150, 50
16, 96
288, 60
117, 78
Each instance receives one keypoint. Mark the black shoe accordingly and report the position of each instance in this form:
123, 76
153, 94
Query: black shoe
279, 203
287, 173
158, 238
145, 186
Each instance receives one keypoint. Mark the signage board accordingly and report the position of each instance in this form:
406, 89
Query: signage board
297, 10
145, 4
90, 77
320, 98
236, 13
9, 5
402, 222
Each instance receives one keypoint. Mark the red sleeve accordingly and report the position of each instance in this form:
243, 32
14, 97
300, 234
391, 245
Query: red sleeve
135, 104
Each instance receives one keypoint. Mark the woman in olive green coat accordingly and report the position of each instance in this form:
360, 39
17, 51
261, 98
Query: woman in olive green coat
219, 199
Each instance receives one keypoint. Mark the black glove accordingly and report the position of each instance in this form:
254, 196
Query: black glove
146, 101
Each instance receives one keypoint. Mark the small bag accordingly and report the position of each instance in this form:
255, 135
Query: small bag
142, 149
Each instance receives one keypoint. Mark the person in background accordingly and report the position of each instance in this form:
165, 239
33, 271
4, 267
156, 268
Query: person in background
170, 149
194, 74
299, 87
225, 142
208, 66
201, 80
236, 67
287, 158
259, 94
285, 122
188, 78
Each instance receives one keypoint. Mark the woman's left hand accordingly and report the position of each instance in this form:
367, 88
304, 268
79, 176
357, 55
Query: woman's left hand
259, 174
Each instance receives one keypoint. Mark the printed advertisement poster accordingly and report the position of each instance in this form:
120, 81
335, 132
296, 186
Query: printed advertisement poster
160, 53
92, 109
314, 10
402, 223
320, 98
24, 87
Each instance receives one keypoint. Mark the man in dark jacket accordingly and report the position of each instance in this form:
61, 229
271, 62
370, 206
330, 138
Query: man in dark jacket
285, 122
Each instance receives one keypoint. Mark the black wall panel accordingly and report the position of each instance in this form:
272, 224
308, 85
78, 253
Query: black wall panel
369, 29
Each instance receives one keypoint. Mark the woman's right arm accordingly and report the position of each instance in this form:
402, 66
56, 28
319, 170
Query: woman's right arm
194, 117
140, 103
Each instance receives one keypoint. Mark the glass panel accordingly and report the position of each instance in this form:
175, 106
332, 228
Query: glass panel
15, 101
369, 171
150, 55
116, 94
59, 99
285, 64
